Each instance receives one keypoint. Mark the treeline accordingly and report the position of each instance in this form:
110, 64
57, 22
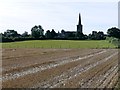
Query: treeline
12, 35
37, 33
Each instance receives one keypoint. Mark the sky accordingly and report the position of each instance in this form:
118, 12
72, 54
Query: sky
22, 15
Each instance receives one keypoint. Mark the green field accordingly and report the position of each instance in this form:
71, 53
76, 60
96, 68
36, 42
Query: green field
59, 44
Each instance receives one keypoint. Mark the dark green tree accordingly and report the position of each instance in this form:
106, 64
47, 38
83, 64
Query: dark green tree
114, 32
100, 35
37, 31
11, 33
48, 34
96, 35
53, 33
25, 34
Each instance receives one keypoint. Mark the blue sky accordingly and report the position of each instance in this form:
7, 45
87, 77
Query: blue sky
22, 15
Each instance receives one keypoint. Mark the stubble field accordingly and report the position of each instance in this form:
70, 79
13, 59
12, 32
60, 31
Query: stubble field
59, 68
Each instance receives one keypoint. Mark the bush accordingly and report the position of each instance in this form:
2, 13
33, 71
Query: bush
114, 41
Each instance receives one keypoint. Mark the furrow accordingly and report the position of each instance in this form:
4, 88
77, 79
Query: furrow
83, 63
12, 76
93, 82
113, 81
108, 78
85, 80
81, 71
98, 72
72, 74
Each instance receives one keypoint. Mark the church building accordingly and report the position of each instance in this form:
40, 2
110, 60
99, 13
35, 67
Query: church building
73, 34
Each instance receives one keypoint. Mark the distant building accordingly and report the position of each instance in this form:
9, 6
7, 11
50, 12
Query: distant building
73, 34
66, 34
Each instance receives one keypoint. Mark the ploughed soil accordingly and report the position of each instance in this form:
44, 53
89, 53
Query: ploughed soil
63, 68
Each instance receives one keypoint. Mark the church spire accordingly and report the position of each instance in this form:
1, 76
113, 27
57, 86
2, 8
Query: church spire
79, 22
79, 26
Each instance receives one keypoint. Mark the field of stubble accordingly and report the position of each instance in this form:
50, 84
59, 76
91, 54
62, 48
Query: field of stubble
59, 68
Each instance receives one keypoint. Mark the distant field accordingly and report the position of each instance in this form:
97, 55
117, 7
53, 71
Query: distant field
59, 44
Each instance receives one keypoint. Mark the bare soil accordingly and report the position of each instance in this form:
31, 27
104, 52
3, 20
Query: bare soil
63, 68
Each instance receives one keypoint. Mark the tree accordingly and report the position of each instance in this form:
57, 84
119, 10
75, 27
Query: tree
114, 32
11, 33
53, 33
1, 35
25, 34
63, 31
48, 34
96, 35
80, 36
62, 35
100, 35
37, 31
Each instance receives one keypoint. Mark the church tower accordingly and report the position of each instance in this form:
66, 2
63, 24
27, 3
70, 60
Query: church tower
79, 26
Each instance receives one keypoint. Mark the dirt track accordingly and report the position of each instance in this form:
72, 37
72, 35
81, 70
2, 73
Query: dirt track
53, 68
